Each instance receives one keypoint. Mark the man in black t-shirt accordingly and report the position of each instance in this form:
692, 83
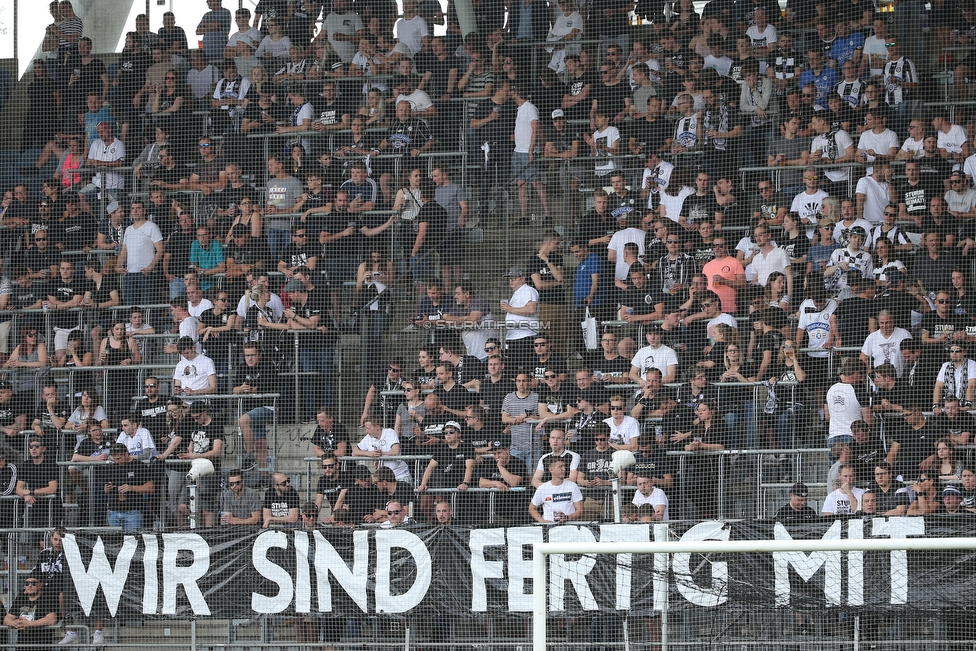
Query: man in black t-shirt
309, 314
796, 510
33, 614
281, 503
66, 292
557, 402
329, 436
201, 438
452, 466
128, 485
388, 489
332, 485
256, 376
38, 478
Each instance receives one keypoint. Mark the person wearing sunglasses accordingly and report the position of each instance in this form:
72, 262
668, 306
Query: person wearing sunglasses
281, 503
332, 486
239, 504
38, 478
33, 614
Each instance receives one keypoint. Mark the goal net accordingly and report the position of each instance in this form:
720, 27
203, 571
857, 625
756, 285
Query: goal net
872, 583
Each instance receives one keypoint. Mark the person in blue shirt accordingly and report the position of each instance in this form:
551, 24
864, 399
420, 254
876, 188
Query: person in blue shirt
817, 73
590, 288
848, 46
206, 258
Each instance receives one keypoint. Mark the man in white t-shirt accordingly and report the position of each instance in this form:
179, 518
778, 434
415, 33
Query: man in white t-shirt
604, 144
846, 401
343, 27
883, 346
557, 445
952, 139
560, 499
382, 442
846, 500
654, 355
139, 257
648, 493
874, 192
195, 374
528, 132
242, 44
521, 318
807, 204
412, 29
878, 142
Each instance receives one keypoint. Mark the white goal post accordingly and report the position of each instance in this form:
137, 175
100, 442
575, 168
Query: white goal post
540, 580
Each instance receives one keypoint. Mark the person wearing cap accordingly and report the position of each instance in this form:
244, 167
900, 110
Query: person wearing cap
105, 151
309, 314
503, 473
852, 257
195, 374
38, 477
127, 483
455, 461
199, 437
562, 146
952, 502
522, 318
796, 510
595, 470
846, 401
883, 346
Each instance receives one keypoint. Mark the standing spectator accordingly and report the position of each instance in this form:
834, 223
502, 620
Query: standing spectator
229, 98
206, 258
883, 346
522, 318
453, 199
255, 377
105, 151
847, 402
38, 477
284, 191
590, 286
214, 27
127, 482
141, 252
527, 134
546, 271
343, 28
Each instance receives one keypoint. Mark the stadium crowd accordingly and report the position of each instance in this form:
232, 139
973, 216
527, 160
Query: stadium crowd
774, 228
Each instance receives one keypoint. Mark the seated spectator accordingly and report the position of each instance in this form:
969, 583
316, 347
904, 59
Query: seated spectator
239, 505
34, 614
559, 498
281, 503
52, 414
503, 474
796, 510
381, 442
38, 478
845, 500
88, 410
924, 496
649, 494
92, 448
